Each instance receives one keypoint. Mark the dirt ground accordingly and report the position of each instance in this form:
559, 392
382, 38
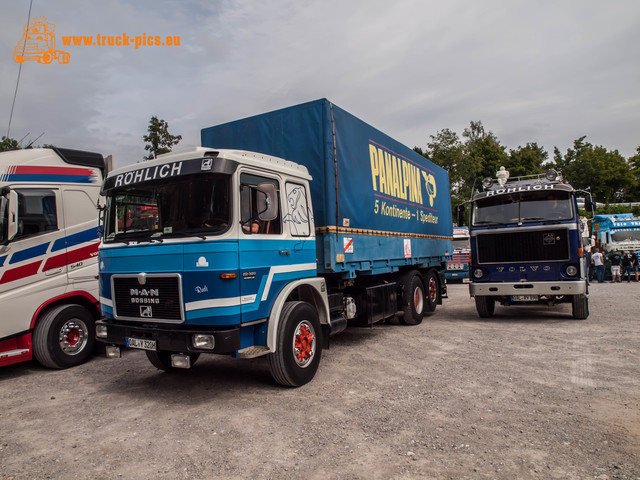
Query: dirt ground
528, 394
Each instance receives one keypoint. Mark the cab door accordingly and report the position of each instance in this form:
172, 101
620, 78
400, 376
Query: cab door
263, 246
27, 263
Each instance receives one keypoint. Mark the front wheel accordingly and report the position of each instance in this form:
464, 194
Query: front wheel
64, 336
580, 306
485, 306
298, 345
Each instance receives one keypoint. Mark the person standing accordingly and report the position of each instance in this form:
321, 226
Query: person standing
634, 264
598, 262
616, 259
626, 265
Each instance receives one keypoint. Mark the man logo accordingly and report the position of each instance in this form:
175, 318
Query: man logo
207, 163
146, 312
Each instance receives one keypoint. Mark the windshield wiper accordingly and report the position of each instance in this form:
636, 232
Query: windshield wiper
201, 236
486, 222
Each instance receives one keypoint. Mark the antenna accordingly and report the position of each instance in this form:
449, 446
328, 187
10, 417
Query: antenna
28, 146
15, 94
22, 137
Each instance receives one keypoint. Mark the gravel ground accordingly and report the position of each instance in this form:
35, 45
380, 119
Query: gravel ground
528, 394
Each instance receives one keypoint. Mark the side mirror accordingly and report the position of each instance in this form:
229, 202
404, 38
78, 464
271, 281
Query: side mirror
267, 202
8, 214
588, 204
460, 215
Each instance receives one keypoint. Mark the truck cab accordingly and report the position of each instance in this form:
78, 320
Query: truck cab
48, 255
458, 266
526, 244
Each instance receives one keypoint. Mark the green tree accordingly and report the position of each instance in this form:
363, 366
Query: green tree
159, 140
8, 143
607, 173
634, 163
484, 151
527, 160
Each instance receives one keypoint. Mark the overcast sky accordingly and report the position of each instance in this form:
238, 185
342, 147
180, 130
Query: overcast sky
530, 71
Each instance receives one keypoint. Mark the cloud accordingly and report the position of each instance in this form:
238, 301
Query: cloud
531, 72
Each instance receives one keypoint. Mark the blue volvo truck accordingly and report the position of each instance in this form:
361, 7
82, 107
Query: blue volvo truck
526, 244
281, 230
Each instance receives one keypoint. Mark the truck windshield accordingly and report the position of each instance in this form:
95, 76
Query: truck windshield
626, 236
461, 243
523, 207
192, 205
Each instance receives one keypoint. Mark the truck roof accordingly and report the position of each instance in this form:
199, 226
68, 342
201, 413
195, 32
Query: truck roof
63, 165
258, 160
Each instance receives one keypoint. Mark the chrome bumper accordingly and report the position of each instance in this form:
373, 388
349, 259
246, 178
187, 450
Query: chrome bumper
576, 287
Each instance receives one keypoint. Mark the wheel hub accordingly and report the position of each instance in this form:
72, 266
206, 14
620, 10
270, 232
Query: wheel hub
433, 290
304, 343
73, 337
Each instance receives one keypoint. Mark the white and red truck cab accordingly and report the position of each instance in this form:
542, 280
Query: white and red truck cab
48, 255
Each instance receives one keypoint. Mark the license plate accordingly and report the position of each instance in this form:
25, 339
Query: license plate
141, 343
456, 266
524, 298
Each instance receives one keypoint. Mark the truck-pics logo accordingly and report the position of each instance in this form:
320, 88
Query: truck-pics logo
38, 43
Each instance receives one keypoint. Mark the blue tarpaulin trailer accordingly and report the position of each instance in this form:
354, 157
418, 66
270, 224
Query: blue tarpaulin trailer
377, 205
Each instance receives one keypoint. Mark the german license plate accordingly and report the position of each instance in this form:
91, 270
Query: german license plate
141, 343
524, 298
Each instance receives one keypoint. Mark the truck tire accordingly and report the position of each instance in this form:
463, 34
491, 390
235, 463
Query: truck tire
298, 345
413, 298
161, 359
580, 306
485, 306
64, 336
433, 291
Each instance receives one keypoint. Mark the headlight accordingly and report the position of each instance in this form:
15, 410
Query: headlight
101, 331
478, 273
572, 270
203, 341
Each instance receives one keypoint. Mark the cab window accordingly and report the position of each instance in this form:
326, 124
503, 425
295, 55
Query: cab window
37, 212
250, 206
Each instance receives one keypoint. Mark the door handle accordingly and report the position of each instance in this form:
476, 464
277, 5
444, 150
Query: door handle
53, 271
284, 252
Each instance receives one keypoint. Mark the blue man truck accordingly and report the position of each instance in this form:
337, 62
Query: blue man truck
526, 244
280, 231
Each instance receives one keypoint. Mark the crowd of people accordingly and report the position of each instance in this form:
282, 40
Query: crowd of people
622, 265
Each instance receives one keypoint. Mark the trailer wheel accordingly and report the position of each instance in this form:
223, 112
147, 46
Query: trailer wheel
580, 306
485, 306
161, 359
433, 291
413, 299
298, 345
64, 336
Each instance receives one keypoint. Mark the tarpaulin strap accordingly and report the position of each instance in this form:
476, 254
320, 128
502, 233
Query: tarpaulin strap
335, 161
